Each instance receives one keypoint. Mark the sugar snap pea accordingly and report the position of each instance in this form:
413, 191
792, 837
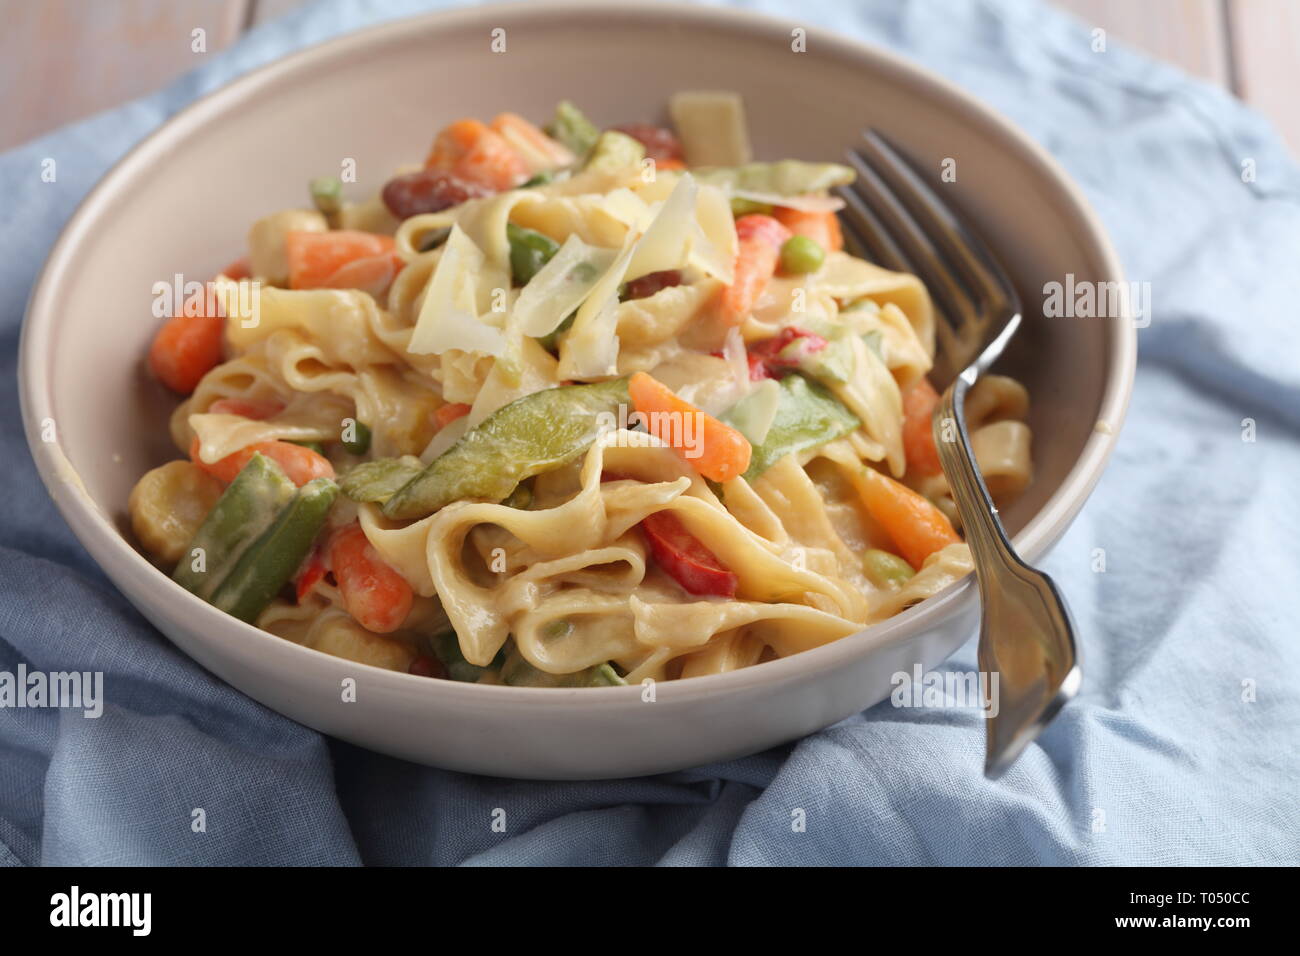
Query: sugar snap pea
378, 480
246, 509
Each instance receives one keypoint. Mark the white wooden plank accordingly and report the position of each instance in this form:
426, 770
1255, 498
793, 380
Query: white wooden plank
264, 10
64, 59
1265, 37
1187, 33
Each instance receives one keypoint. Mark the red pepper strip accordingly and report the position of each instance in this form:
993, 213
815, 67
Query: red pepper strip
768, 352
312, 571
685, 558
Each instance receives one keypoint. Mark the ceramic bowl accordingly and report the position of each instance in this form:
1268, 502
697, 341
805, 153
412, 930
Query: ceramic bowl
183, 199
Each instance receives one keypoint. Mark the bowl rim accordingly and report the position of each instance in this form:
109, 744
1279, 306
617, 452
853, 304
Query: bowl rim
121, 561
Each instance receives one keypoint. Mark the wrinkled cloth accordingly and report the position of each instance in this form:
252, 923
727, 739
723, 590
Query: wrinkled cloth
1181, 749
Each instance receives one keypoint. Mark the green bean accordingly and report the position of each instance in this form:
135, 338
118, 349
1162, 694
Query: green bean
530, 435
246, 509
327, 194
885, 570
529, 251
270, 561
360, 442
801, 255
315, 446
379, 480
541, 179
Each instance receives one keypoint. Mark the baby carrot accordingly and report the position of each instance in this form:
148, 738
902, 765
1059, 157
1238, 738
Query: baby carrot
917, 527
718, 452
759, 241
919, 402
375, 595
471, 151
320, 259
299, 463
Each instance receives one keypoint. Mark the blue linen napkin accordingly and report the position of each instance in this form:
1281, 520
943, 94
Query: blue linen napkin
1182, 748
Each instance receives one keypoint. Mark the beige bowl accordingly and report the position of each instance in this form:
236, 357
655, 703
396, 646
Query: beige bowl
182, 202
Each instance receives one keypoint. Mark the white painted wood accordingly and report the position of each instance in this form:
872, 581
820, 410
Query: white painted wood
1188, 33
64, 59
1265, 43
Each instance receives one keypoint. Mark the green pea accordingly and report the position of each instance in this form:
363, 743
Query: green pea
885, 570
521, 498
360, 442
801, 254
326, 194
747, 207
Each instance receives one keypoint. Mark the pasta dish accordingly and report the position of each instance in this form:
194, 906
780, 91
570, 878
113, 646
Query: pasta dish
564, 407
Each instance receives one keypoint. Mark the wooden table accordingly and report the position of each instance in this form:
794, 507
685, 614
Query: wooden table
64, 59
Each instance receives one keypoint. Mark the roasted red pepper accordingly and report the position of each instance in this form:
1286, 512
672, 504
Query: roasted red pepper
685, 558
313, 569
766, 357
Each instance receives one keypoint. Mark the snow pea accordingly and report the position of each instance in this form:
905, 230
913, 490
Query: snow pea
807, 416
532, 434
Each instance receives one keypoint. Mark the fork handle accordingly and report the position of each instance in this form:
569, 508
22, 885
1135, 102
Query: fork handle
1026, 634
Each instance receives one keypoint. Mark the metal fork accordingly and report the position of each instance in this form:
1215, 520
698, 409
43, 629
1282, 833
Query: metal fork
1026, 633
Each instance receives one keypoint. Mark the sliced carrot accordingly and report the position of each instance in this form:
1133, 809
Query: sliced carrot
260, 411
473, 152
759, 240
917, 527
188, 346
670, 164
919, 402
374, 594
448, 413
538, 151
315, 258
822, 227
713, 449
299, 463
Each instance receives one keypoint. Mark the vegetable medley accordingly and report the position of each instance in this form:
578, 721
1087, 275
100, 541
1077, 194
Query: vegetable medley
566, 405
